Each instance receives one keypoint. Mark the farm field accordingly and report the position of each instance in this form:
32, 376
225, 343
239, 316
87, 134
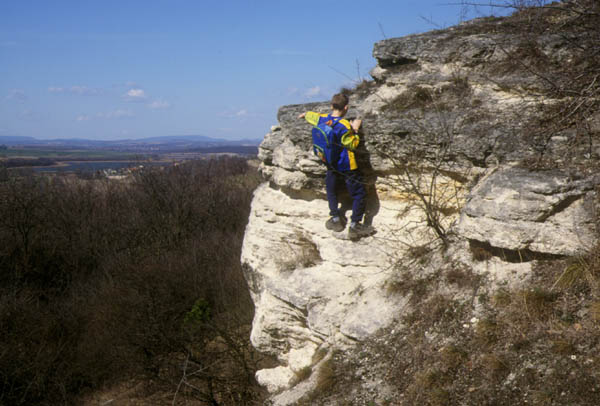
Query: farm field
63, 154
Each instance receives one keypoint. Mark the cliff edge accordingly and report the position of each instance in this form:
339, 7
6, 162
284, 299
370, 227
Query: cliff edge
465, 168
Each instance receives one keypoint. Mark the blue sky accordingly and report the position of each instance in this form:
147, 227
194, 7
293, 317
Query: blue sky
131, 69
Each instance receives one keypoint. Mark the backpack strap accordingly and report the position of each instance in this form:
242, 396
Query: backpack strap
334, 120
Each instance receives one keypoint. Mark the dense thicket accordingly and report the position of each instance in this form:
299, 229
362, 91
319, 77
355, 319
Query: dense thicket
103, 280
21, 162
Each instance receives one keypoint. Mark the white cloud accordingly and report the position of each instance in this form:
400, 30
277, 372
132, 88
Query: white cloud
313, 92
159, 104
135, 95
83, 117
18, 95
236, 113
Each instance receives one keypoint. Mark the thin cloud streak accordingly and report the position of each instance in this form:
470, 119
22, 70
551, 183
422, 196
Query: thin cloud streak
159, 104
17, 95
75, 90
241, 113
120, 113
115, 114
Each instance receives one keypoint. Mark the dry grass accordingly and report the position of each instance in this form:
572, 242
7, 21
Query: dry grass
463, 278
415, 97
302, 252
537, 343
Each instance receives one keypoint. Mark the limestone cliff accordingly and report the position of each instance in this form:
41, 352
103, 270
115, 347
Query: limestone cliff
446, 129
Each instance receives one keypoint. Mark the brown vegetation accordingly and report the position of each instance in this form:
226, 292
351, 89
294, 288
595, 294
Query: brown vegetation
534, 344
556, 45
102, 281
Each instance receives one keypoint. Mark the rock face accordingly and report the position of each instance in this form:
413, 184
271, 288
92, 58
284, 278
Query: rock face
544, 212
313, 289
444, 130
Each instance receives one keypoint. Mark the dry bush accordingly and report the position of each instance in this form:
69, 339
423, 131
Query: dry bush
571, 81
428, 171
538, 342
97, 278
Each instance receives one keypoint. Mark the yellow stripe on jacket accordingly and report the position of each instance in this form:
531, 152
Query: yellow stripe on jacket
350, 142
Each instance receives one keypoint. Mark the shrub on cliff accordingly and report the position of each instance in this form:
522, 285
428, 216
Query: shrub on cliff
557, 44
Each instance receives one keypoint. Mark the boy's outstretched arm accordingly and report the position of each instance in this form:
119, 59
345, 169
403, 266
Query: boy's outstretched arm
311, 117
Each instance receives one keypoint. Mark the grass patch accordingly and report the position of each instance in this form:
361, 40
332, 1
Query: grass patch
463, 277
302, 252
414, 97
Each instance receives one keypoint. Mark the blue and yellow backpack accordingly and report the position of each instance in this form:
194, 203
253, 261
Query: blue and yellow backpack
323, 139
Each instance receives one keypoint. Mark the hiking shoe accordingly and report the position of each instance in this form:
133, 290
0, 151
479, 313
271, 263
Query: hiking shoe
335, 224
358, 230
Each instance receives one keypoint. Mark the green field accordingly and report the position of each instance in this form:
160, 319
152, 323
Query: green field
66, 154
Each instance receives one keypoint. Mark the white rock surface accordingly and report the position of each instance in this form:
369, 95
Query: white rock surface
275, 379
545, 212
310, 287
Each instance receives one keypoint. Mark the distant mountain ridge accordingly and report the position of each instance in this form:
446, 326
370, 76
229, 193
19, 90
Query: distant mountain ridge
180, 141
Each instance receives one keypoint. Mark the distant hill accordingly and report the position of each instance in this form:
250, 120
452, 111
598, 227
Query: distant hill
16, 140
180, 138
157, 144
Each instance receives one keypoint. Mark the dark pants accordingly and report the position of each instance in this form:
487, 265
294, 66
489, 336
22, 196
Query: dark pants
356, 188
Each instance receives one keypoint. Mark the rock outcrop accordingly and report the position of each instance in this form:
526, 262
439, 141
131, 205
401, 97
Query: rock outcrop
445, 122
544, 212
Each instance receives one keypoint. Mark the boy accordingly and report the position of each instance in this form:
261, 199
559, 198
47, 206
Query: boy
343, 167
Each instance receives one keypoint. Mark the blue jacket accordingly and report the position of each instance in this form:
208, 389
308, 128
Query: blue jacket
345, 141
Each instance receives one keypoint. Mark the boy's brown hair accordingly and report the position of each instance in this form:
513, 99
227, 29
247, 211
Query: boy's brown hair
339, 101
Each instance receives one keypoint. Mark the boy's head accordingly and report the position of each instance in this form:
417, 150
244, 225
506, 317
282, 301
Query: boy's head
339, 102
